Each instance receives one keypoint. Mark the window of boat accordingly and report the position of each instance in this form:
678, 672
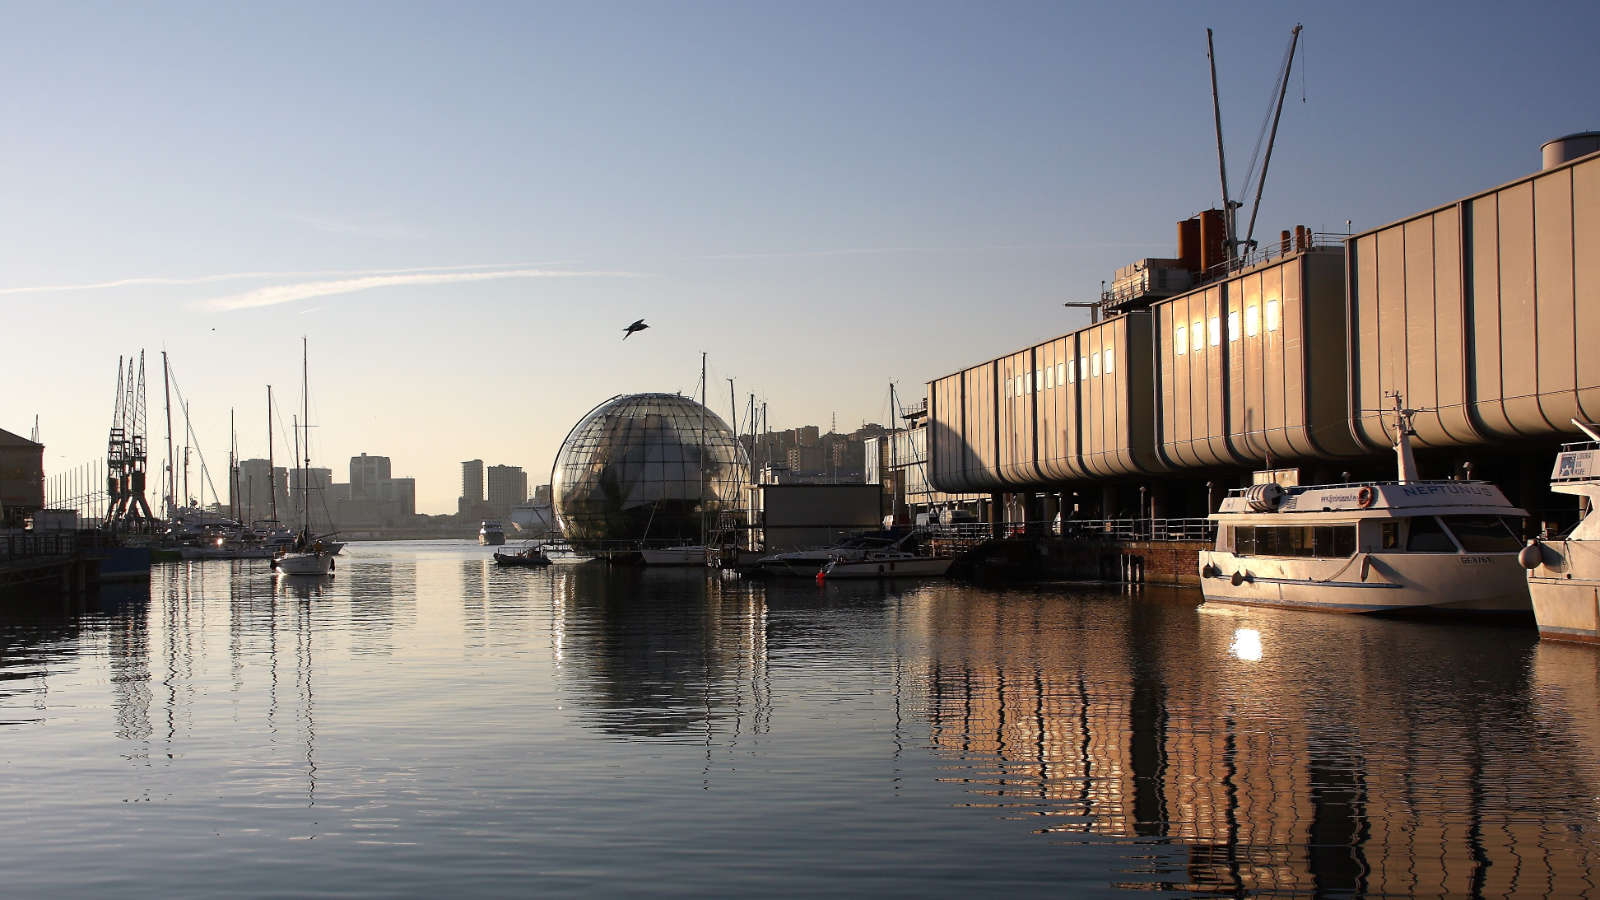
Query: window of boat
1335, 540
1244, 540
1483, 534
1426, 535
1391, 536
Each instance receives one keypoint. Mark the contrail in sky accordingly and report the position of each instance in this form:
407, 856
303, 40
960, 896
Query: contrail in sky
180, 281
289, 293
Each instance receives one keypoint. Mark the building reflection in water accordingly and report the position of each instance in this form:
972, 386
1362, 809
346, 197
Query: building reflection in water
662, 654
1288, 753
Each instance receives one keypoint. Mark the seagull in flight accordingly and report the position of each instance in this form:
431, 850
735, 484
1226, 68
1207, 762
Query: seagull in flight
637, 326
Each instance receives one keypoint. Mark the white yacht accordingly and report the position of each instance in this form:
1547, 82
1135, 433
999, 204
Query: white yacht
491, 534
682, 555
1564, 573
1369, 547
886, 564
808, 563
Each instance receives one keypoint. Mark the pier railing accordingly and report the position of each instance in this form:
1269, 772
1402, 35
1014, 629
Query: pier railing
969, 534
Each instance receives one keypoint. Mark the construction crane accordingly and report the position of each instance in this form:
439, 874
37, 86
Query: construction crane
125, 453
1236, 249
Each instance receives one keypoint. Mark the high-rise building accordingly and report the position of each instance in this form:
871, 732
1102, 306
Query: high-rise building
367, 473
256, 483
472, 482
508, 486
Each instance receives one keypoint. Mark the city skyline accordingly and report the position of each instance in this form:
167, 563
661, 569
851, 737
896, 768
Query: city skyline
462, 208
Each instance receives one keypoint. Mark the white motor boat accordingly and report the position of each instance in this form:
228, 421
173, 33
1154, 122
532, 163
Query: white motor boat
684, 555
808, 563
1564, 573
491, 534
887, 564
1369, 547
558, 551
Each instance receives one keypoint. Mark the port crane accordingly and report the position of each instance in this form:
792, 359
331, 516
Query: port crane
126, 455
1229, 205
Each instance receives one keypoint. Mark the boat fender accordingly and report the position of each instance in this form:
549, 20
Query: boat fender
1209, 571
1531, 556
331, 566
1366, 566
1238, 578
1364, 497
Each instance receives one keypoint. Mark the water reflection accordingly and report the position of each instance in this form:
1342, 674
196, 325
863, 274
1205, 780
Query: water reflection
1288, 753
663, 653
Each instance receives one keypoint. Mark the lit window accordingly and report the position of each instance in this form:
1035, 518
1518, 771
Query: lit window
1272, 315
1109, 358
1180, 340
1027, 382
1252, 321
1038, 381
1083, 367
1061, 370
1214, 331
1019, 386
1049, 378
1072, 374
1094, 364
1197, 335
1233, 326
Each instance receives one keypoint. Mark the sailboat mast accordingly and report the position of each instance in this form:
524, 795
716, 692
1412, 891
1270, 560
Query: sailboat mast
305, 423
166, 389
704, 400
272, 471
233, 468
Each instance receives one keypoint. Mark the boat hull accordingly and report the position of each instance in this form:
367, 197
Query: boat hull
304, 564
674, 556
918, 567
1491, 583
1566, 604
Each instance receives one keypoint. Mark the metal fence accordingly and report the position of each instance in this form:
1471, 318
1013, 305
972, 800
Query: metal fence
967, 534
17, 545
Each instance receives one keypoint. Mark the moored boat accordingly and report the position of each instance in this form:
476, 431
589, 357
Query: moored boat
1564, 573
887, 564
1369, 547
528, 557
491, 534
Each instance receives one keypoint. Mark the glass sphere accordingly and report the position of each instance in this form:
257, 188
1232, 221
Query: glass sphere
652, 468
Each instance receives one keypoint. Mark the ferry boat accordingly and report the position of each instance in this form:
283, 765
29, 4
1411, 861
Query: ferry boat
1564, 573
491, 534
1389, 546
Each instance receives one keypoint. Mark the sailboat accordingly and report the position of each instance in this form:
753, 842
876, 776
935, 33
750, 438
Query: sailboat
309, 555
685, 554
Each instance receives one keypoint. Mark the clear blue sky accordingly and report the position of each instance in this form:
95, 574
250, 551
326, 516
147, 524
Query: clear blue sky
462, 205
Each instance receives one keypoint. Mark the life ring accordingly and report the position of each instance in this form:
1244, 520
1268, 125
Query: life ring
1364, 497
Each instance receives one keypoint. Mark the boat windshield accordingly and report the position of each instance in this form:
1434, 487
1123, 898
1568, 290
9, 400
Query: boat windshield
1484, 534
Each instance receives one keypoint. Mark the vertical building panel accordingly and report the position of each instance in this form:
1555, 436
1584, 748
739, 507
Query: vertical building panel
1281, 353
1450, 345
1367, 375
1220, 439
1586, 283
1420, 367
1519, 317
1488, 383
1391, 317
1553, 298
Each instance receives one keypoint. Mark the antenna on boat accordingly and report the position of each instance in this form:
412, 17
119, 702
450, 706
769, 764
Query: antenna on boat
1406, 463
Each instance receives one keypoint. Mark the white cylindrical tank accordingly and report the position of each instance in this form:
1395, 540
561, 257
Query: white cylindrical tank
1566, 149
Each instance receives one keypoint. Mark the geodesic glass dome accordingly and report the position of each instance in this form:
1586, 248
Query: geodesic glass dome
646, 467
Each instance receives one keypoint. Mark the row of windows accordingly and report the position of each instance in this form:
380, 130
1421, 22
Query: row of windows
1201, 332
1418, 534
1062, 374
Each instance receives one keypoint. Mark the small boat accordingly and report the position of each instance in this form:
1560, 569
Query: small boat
1564, 573
558, 551
314, 560
1369, 547
683, 555
491, 534
528, 557
308, 555
808, 563
887, 564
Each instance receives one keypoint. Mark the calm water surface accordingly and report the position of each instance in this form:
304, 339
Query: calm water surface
426, 724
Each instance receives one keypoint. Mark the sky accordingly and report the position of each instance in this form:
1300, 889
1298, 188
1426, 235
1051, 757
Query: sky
460, 206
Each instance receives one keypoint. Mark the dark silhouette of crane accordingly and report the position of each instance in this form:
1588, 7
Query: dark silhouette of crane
125, 454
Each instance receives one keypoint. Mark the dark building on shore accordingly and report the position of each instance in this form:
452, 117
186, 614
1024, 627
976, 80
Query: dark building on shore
21, 479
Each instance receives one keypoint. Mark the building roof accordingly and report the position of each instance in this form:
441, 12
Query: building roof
7, 439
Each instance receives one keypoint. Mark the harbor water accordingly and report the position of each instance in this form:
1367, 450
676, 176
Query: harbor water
426, 724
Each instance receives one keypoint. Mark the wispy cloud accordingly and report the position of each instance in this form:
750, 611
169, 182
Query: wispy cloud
190, 280
889, 251
274, 295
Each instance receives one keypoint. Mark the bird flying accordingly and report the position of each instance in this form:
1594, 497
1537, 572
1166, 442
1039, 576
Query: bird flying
637, 326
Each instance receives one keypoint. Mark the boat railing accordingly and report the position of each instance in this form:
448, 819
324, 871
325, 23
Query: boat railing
964, 535
1295, 489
